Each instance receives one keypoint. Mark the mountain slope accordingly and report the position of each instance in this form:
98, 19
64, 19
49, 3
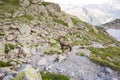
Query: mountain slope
29, 29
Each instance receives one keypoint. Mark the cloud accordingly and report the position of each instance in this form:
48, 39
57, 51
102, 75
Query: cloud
79, 2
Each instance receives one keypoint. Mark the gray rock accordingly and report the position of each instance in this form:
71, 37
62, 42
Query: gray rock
115, 79
62, 58
26, 50
15, 14
42, 62
28, 73
24, 29
7, 15
24, 3
10, 37
107, 70
8, 77
1, 76
13, 63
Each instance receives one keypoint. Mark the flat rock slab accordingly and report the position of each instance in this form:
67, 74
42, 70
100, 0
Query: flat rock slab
81, 68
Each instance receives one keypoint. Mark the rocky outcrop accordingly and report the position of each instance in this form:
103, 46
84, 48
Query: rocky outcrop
28, 73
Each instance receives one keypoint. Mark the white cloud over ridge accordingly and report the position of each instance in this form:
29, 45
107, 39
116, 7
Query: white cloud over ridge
79, 2
92, 11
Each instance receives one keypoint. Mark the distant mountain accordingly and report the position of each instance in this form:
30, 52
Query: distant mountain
94, 13
115, 24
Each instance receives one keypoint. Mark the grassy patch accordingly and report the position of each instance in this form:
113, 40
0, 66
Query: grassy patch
46, 3
9, 5
51, 76
60, 22
28, 17
56, 59
75, 21
8, 47
22, 19
11, 2
106, 56
81, 53
1, 34
4, 64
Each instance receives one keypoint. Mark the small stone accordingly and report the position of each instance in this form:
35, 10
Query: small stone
15, 14
114, 79
48, 67
61, 58
24, 3
8, 77
107, 70
7, 15
1, 76
13, 63
24, 29
52, 41
10, 37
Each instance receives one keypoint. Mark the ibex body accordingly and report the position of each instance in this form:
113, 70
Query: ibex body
64, 43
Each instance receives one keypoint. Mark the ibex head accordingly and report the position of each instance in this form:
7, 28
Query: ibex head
59, 37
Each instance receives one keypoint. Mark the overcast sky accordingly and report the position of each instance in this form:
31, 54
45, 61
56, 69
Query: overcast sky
79, 2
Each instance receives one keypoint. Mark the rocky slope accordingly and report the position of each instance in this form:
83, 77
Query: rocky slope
29, 31
115, 24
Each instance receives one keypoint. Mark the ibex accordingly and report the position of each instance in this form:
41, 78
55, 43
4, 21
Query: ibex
64, 43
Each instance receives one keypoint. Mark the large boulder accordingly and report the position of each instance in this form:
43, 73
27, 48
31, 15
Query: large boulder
28, 73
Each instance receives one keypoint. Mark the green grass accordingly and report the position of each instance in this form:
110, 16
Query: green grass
9, 6
106, 56
56, 59
28, 17
1, 34
8, 47
51, 76
46, 3
81, 53
75, 21
4, 64
60, 22
11, 2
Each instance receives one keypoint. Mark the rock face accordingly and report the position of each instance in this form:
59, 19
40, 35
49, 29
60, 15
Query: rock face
80, 68
28, 73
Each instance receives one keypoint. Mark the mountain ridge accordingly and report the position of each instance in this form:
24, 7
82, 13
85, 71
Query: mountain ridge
115, 24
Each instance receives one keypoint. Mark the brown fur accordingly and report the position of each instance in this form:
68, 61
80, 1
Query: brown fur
64, 43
